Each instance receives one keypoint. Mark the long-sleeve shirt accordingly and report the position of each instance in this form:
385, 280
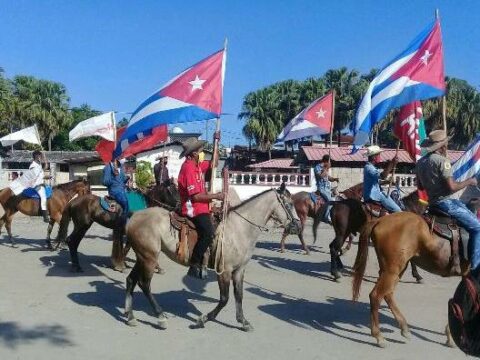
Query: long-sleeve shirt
161, 173
30, 178
114, 182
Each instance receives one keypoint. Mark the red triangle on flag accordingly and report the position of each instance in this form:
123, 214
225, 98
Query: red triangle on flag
201, 85
320, 112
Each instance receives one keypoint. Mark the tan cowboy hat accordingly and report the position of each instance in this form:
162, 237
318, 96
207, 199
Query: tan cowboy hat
373, 150
436, 139
190, 145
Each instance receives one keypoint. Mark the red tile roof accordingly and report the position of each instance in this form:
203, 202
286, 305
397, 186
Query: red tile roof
275, 164
343, 154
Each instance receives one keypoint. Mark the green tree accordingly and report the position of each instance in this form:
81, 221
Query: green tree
143, 174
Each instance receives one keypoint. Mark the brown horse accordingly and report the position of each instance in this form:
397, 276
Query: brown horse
398, 239
61, 195
85, 210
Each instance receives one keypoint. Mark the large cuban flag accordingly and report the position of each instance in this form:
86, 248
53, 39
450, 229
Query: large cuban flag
316, 119
193, 95
468, 165
416, 74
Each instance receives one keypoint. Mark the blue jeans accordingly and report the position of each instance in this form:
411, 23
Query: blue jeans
459, 211
387, 202
121, 197
327, 196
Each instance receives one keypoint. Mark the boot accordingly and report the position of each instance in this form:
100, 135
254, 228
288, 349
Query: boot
197, 271
45, 216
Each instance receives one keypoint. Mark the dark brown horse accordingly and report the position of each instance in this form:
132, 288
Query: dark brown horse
398, 239
61, 195
85, 210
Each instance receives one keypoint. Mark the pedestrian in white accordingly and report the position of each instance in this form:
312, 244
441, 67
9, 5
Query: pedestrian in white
33, 178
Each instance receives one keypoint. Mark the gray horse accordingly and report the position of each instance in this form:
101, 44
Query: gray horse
148, 233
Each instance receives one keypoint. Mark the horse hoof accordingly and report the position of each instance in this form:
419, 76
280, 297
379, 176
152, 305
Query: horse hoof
132, 322
381, 343
14, 245
406, 334
337, 276
247, 327
160, 271
162, 322
420, 281
307, 252
200, 324
450, 344
119, 268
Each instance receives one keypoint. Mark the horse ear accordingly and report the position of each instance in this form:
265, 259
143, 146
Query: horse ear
282, 189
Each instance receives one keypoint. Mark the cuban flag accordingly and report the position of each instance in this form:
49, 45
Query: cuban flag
193, 95
468, 166
416, 74
316, 119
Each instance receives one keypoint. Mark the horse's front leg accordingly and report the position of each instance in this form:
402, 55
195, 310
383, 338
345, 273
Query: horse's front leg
224, 286
282, 242
8, 226
118, 255
51, 223
335, 261
238, 292
73, 241
415, 273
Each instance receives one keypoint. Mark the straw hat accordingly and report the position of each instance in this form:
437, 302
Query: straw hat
436, 139
190, 145
373, 150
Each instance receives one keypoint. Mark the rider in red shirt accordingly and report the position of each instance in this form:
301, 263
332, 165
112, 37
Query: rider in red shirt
195, 201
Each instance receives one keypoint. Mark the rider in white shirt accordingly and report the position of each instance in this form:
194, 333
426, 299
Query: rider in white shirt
33, 178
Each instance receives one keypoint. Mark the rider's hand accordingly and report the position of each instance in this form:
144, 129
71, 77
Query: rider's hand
219, 196
473, 181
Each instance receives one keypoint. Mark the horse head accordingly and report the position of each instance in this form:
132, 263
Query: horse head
284, 212
86, 187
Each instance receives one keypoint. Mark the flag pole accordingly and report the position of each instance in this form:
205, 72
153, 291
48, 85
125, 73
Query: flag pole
216, 139
443, 98
331, 126
394, 168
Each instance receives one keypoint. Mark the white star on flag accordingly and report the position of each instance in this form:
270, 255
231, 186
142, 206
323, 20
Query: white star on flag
321, 113
425, 57
197, 83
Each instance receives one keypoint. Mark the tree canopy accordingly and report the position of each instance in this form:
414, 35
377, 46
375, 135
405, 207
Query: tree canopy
267, 110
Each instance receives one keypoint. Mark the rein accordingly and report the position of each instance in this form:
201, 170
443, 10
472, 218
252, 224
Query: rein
260, 227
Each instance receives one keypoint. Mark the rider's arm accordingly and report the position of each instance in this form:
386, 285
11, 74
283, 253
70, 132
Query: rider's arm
388, 169
206, 198
455, 186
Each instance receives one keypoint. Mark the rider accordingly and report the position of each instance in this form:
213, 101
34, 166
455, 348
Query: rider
434, 175
323, 183
373, 178
33, 178
115, 180
195, 201
160, 171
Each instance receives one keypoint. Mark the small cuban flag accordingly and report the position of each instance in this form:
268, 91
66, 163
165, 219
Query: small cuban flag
468, 166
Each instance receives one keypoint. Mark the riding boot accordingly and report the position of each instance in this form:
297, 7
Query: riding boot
45, 216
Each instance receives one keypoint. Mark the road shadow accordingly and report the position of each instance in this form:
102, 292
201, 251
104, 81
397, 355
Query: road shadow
59, 264
109, 296
31, 244
342, 318
105, 237
12, 335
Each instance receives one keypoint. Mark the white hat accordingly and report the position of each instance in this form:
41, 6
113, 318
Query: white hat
373, 150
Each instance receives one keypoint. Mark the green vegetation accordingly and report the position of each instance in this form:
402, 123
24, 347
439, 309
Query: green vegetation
143, 174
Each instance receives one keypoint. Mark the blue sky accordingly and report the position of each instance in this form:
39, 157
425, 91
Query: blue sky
113, 54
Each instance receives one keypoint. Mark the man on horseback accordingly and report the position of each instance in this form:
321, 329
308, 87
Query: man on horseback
323, 180
115, 180
33, 178
434, 175
373, 178
195, 200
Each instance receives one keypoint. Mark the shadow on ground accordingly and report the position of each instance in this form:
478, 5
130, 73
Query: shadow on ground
12, 335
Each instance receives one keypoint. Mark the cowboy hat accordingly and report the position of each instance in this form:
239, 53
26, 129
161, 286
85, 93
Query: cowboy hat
161, 157
373, 150
190, 145
436, 139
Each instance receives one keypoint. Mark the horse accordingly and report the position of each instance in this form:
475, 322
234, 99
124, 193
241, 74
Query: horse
398, 239
61, 195
149, 233
87, 209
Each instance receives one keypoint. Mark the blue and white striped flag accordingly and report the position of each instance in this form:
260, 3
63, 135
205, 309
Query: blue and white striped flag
468, 165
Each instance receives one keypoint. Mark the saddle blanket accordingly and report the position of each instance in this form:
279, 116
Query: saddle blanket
136, 202
33, 194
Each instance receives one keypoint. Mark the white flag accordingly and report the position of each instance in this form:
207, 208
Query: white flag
29, 135
101, 125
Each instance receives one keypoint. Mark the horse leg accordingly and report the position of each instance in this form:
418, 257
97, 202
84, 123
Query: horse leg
304, 246
2, 222
73, 241
237, 278
392, 280
117, 258
316, 222
415, 273
49, 233
132, 280
8, 226
224, 286
335, 252
144, 282
450, 342
282, 242
349, 244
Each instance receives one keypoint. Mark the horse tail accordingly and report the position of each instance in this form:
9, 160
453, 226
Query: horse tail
63, 228
361, 259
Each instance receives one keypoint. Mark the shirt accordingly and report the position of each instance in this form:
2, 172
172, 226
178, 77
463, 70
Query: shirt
161, 173
114, 182
31, 178
322, 181
433, 170
371, 185
191, 181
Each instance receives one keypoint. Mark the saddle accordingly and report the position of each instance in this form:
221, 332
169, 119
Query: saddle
375, 208
32, 193
443, 225
110, 205
188, 238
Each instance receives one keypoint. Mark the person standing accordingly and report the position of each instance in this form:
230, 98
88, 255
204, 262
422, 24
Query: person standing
195, 200
34, 177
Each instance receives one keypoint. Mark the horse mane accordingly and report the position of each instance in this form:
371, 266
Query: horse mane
354, 190
68, 185
249, 200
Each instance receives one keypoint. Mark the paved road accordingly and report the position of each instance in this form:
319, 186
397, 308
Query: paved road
297, 311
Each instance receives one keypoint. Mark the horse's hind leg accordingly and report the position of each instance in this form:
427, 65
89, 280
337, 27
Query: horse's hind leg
304, 246
132, 280
73, 241
145, 278
335, 262
224, 286
391, 281
415, 273
237, 278
8, 226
